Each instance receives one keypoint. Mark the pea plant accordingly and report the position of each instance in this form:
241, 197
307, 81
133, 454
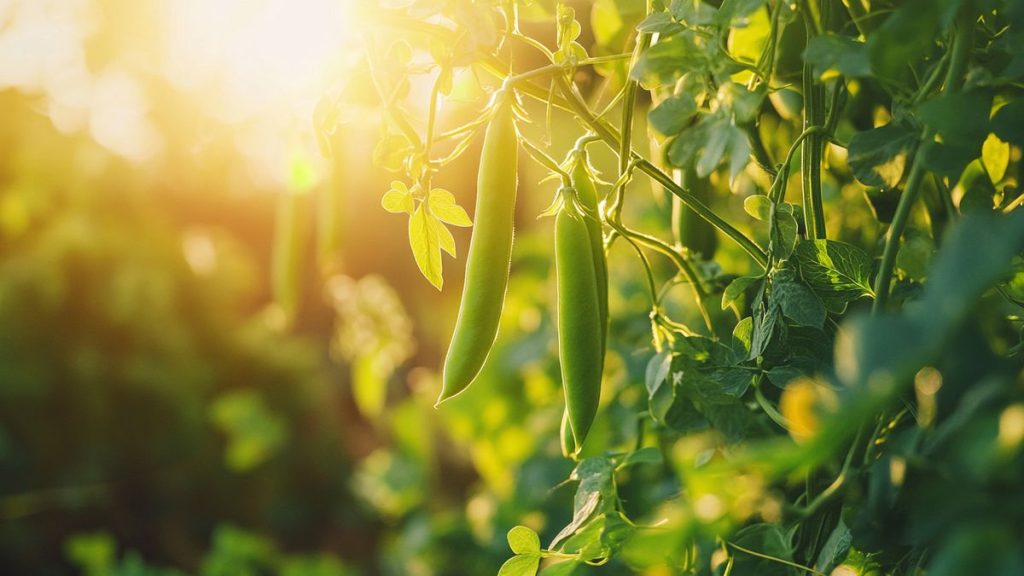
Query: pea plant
836, 183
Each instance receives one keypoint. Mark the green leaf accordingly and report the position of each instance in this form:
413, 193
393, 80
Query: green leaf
907, 35
561, 569
665, 62
878, 157
444, 207
523, 540
426, 246
520, 566
398, 199
830, 54
961, 122
835, 548
660, 22
798, 302
758, 206
835, 269
995, 155
737, 289
732, 12
673, 114
1008, 123
647, 455
785, 232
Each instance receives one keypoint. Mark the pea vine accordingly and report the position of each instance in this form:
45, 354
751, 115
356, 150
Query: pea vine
805, 419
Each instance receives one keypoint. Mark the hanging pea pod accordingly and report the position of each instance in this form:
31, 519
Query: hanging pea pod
490, 251
586, 193
689, 229
565, 434
580, 339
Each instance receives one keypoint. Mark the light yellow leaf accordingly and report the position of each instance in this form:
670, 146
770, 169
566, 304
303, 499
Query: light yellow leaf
445, 238
995, 154
425, 244
443, 206
398, 199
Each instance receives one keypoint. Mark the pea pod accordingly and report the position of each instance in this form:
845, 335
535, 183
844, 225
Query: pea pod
580, 337
565, 434
689, 229
586, 193
490, 251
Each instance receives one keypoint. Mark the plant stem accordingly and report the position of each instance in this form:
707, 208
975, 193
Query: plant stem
611, 138
810, 154
961, 54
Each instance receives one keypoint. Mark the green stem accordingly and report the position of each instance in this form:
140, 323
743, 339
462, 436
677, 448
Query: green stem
810, 155
611, 138
961, 55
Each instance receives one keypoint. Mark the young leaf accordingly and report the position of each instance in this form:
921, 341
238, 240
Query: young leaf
426, 246
758, 206
736, 289
398, 199
443, 206
523, 540
520, 566
673, 114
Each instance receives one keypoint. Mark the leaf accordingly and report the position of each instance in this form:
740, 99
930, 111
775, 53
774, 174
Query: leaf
520, 566
444, 237
878, 157
660, 22
995, 155
561, 569
961, 123
830, 55
673, 114
835, 548
758, 206
398, 199
798, 302
425, 244
664, 63
785, 233
444, 207
523, 540
579, 518
835, 269
736, 290
975, 255
732, 12
647, 455
1008, 123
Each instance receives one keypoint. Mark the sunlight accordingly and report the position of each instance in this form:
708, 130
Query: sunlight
248, 58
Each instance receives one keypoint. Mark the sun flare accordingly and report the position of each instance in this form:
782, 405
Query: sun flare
246, 58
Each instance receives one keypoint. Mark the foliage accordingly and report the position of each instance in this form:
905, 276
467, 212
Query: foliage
820, 422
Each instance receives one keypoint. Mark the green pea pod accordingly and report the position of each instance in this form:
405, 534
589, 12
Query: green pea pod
689, 229
579, 321
587, 195
490, 252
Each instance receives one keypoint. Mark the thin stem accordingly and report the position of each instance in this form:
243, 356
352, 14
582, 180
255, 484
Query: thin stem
810, 156
611, 138
774, 559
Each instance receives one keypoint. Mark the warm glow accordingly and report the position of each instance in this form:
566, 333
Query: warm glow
251, 58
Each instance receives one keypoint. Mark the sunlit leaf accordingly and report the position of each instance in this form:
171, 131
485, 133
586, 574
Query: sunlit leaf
425, 244
444, 207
